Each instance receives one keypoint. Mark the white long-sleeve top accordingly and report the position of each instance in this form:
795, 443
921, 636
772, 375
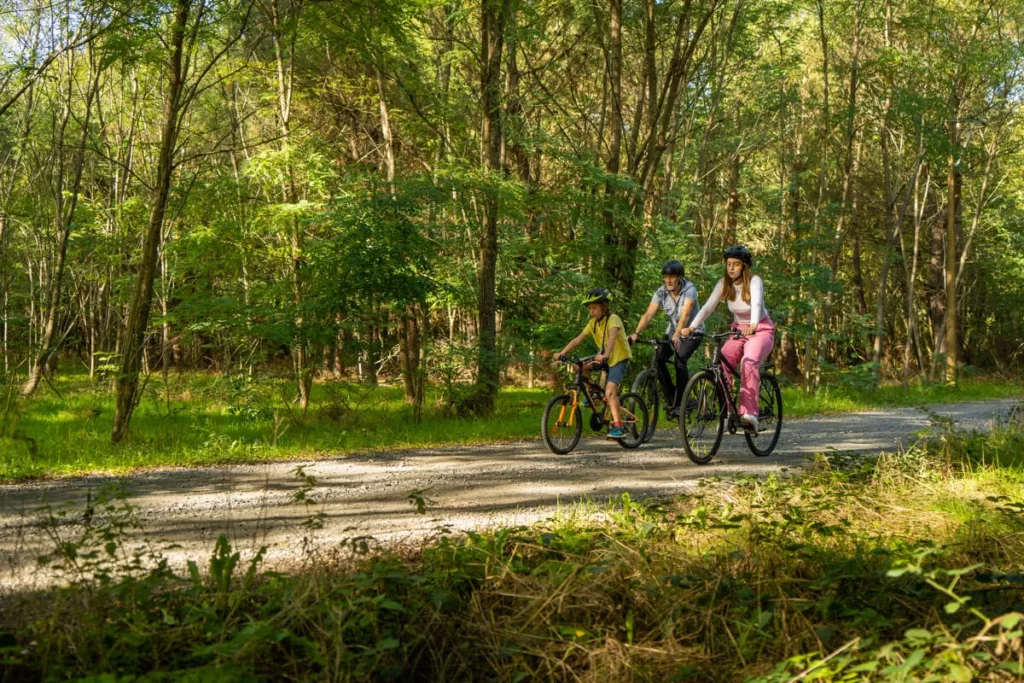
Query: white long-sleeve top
742, 312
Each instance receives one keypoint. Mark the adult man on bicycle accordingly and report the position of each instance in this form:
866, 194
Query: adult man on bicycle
677, 298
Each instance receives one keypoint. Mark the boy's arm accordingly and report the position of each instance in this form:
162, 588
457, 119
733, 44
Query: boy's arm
573, 343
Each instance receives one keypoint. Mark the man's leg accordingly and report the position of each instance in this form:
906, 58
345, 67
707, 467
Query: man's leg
682, 356
664, 377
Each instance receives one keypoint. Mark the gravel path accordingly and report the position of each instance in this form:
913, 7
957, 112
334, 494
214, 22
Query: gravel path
466, 488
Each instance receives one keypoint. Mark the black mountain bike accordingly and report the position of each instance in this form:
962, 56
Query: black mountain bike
562, 423
648, 385
709, 406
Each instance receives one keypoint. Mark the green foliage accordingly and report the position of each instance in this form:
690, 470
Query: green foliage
848, 572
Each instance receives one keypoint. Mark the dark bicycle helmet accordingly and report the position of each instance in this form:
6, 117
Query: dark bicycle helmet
673, 267
738, 251
598, 295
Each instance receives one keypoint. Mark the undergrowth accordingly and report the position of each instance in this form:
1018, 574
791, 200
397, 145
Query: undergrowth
904, 567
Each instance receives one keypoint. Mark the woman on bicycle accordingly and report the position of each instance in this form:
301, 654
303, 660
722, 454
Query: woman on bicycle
678, 299
744, 293
609, 334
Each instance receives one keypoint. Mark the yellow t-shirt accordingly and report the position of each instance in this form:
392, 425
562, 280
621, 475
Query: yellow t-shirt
599, 331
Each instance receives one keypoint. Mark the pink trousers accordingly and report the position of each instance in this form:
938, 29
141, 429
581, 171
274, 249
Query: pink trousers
746, 355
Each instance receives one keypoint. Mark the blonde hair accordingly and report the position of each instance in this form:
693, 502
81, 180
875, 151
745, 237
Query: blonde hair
728, 286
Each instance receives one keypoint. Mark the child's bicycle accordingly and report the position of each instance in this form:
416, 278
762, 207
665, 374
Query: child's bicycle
562, 424
709, 406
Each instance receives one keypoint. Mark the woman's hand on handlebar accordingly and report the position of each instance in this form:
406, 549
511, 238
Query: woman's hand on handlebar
684, 333
558, 357
747, 330
632, 338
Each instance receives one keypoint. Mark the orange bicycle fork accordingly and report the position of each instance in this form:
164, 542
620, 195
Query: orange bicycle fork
572, 409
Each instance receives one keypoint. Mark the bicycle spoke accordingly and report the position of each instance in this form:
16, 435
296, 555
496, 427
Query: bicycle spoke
701, 419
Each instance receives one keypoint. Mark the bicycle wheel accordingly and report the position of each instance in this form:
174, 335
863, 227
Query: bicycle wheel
562, 424
634, 419
702, 417
769, 418
646, 385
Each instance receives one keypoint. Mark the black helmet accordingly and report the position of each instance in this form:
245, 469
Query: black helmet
673, 267
738, 251
598, 295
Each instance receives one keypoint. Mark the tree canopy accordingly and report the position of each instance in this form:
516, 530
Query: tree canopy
373, 189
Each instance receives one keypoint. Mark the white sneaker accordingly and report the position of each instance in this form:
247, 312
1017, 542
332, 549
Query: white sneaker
750, 422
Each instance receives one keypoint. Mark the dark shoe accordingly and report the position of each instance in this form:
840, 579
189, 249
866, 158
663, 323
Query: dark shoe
617, 432
672, 413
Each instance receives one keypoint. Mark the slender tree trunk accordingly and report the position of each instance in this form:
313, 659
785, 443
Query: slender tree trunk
385, 129
142, 299
911, 272
4, 285
494, 15
64, 215
812, 370
411, 351
613, 69
953, 189
732, 205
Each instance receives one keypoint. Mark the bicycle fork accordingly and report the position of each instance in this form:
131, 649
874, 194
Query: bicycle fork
572, 409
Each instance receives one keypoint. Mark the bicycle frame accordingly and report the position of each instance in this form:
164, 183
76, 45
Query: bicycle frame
586, 385
715, 366
731, 395
655, 344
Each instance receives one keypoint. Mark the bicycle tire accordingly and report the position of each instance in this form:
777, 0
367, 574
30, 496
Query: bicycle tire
646, 385
769, 409
561, 404
702, 406
631, 404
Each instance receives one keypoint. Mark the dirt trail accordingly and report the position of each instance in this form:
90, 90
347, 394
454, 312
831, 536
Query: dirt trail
469, 487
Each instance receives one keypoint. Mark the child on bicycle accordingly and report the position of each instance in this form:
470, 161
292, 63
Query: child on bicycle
744, 293
608, 332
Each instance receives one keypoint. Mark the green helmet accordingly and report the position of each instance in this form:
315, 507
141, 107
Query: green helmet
598, 295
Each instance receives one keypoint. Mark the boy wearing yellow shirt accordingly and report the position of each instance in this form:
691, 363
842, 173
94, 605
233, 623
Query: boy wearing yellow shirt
608, 332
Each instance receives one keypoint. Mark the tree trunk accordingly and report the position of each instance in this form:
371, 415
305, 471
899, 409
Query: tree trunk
613, 265
64, 217
411, 352
142, 298
385, 129
954, 183
494, 15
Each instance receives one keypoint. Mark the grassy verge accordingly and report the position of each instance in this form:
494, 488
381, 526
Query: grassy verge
904, 567
209, 419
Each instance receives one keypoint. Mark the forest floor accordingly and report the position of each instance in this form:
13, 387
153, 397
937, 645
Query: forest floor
405, 497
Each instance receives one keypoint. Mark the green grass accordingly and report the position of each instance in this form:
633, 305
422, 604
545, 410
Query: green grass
845, 399
877, 569
203, 419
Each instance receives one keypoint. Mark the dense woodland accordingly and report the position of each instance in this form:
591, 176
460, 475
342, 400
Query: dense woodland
424, 188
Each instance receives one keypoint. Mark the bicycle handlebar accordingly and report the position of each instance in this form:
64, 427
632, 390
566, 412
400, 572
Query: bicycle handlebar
657, 342
652, 342
578, 362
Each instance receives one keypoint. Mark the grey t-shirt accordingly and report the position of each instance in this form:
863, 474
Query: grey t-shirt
673, 308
